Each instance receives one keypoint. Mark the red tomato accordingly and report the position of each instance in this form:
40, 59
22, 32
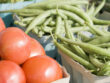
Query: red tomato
42, 69
10, 72
14, 45
36, 48
2, 25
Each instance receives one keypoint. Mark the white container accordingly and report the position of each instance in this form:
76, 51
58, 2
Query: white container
65, 79
78, 74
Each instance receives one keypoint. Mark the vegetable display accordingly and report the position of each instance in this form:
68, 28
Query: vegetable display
75, 29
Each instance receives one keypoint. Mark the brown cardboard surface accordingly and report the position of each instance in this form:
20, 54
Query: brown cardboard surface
79, 74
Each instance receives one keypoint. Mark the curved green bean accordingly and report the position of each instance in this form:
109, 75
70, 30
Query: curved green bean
69, 35
74, 56
28, 11
99, 7
27, 20
95, 61
101, 22
47, 21
73, 16
105, 45
100, 40
96, 30
50, 3
21, 24
39, 19
58, 25
91, 10
77, 11
87, 47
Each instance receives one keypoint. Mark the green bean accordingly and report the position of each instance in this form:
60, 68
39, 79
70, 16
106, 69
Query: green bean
74, 56
62, 15
91, 10
76, 24
35, 30
28, 11
78, 50
77, 11
39, 19
100, 40
81, 28
101, 22
70, 22
52, 23
28, 19
99, 7
105, 70
73, 16
28, 15
40, 33
95, 61
87, 47
47, 21
20, 23
104, 45
96, 30
69, 48
50, 4
101, 26
58, 25
47, 29
67, 30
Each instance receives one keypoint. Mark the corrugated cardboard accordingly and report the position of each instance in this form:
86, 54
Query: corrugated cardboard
79, 74
65, 79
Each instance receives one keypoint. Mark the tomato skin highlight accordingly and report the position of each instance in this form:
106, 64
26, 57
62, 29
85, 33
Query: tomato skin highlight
14, 45
2, 25
10, 72
36, 48
42, 69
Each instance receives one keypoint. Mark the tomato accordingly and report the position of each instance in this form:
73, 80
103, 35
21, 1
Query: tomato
14, 45
10, 72
36, 48
2, 25
42, 69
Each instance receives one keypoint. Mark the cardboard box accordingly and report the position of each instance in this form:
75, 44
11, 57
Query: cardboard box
79, 74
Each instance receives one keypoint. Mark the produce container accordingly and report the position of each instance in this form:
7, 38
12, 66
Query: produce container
65, 79
79, 74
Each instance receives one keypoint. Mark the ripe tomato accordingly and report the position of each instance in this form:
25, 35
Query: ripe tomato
14, 45
10, 72
42, 69
36, 48
2, 25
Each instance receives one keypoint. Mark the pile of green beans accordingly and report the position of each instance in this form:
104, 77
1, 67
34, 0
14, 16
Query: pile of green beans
76, 30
